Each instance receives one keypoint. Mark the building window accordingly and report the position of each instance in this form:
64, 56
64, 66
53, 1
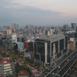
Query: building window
40, 48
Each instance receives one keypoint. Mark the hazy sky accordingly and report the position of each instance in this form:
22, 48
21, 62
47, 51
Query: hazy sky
38, 11
69, 7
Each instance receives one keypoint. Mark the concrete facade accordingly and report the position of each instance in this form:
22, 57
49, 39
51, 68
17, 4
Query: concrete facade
50, 47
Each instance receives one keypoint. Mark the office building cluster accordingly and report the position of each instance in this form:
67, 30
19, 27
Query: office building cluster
31, 51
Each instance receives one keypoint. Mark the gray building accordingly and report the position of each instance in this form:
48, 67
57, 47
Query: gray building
49, 48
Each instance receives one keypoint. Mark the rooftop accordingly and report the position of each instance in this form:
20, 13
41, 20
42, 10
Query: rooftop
53, 38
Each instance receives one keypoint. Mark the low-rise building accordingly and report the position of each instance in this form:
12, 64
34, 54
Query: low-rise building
23, 73
72, 39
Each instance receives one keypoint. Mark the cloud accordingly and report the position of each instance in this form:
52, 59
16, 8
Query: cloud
28, 15
11, 11
67, 7
30, 12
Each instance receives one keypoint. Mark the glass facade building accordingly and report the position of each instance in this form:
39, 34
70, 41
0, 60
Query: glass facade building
54, 49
